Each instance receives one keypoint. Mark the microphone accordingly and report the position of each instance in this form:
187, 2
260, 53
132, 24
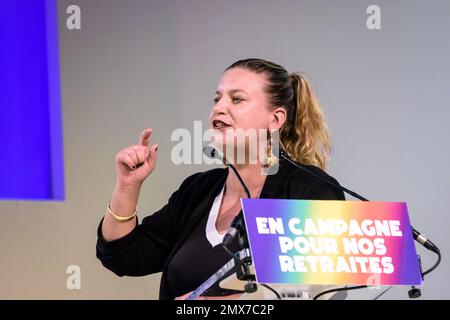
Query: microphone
427, 243
238, 222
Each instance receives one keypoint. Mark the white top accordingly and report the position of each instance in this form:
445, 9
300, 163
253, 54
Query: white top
213, 236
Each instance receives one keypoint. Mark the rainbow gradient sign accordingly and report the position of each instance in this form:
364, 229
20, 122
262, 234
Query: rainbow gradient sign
315, 242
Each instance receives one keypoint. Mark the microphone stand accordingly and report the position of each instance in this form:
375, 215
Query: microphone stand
242, 262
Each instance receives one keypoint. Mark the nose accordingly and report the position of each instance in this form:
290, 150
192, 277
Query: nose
220, 108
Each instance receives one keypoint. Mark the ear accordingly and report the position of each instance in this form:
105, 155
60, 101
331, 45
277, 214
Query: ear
278, 118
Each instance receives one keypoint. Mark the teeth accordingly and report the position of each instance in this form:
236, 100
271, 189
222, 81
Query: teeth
219, 124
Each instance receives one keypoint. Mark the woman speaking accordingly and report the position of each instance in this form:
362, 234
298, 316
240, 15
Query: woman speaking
182, 240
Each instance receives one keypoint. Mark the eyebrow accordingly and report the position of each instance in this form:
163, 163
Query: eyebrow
233, 91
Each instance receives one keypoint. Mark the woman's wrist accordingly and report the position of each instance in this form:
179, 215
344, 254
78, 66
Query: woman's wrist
124, 200
130, 189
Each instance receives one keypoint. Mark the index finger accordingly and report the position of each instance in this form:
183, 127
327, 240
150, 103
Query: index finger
145, 137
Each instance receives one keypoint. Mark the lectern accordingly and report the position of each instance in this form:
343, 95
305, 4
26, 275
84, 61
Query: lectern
301, 249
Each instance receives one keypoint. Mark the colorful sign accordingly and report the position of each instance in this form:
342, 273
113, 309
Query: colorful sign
331, 242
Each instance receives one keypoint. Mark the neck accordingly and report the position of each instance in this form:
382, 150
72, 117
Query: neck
252, 177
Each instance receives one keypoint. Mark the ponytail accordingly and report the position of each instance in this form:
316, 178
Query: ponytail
305, 136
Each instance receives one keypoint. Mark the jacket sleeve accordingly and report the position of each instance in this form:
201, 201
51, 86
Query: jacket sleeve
320, 190
145, 249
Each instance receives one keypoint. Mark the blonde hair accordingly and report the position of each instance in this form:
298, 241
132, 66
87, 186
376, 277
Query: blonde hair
304, 136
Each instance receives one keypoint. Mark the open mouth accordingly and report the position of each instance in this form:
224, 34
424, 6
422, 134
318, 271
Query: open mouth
219, 124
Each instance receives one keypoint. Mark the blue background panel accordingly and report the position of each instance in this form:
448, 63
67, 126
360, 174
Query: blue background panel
31, 157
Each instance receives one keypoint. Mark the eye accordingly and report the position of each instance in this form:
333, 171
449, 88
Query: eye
216, 99
236, 100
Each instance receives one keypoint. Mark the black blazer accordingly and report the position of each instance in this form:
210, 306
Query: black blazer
151, 245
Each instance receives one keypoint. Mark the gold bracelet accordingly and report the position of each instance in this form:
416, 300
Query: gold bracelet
119, 218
